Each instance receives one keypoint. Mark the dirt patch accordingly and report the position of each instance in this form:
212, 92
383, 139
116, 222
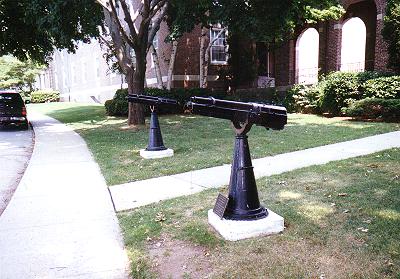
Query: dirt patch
133, 128
173, 259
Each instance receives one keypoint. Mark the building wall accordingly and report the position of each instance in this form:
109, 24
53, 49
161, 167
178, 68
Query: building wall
381, 53
187, 62
330, 41
85, 76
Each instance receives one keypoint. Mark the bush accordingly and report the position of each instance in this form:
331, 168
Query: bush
288, 101
374, 108
263, 95
367, 75
383, 87
338, 90
303, 98
45, 96
109, 105
118, 106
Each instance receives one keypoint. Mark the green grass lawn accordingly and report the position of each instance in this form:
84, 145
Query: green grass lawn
342, 221
198, 142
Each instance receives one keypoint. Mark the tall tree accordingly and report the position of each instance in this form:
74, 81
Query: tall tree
391, 34
18, 74
32, 29
132, 25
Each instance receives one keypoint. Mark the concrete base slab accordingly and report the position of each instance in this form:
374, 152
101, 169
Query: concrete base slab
156, 154
236, 230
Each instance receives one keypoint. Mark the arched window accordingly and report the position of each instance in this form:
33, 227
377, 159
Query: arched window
307, 48
353, 45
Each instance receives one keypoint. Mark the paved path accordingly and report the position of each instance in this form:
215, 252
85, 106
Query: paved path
60, 222
135, 194
15, 150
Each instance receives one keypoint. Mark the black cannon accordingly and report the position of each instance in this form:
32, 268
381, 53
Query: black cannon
155, 138
152, 100
243, 201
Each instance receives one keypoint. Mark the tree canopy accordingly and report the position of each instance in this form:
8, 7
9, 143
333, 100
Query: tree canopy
18, 74
261, 20
31, 29
391, 34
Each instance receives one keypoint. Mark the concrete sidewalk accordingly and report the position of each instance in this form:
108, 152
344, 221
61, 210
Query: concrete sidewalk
60, 222
135, 194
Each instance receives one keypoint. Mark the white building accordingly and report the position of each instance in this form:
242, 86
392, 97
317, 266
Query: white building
83, 76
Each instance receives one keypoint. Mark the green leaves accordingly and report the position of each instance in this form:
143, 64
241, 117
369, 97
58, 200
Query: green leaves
31, 29
14, 73
391, 34
314, 15
261, 20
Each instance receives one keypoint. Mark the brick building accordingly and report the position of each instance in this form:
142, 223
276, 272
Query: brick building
357, 35
352, 43
331, 44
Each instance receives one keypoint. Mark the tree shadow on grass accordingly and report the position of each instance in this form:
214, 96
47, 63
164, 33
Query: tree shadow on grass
76, 114
198, 142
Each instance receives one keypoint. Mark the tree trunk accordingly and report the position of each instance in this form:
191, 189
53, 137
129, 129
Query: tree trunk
202, 44
157, 68
171, 64
135, 80
205, 66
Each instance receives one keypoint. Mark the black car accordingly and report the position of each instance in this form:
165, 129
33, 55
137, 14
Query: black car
12, 110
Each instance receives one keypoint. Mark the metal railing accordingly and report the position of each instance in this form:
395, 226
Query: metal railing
306, 75
354, 67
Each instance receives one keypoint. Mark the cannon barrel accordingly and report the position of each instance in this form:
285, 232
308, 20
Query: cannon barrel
151, 100
268, 116
156, 143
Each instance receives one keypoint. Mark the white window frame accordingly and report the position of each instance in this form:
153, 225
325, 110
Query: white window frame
64, 75
97, 66
84, 74
220, 43
74, 74
55, 75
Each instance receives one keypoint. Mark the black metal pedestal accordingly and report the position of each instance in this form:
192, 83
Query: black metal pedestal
155, 138
243, 201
